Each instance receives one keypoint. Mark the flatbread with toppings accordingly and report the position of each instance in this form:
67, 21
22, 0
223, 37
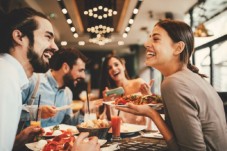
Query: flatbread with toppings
138, 99
62, 142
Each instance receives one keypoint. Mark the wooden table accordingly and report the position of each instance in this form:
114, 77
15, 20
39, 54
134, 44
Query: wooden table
137, 142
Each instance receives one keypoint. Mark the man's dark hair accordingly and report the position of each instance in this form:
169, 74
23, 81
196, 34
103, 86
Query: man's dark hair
21, 19
69, 56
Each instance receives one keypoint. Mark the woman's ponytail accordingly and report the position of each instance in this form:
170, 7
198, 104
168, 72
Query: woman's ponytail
194, 69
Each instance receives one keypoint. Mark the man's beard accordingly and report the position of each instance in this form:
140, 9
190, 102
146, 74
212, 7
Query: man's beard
37, 62
68, 81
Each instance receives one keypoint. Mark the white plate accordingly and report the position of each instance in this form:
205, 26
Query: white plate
61, 127
111, 103
152, 135
65, 107
32, 146
130, 128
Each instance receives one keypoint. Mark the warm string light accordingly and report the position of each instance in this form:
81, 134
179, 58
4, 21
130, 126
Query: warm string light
131, 20
68, 20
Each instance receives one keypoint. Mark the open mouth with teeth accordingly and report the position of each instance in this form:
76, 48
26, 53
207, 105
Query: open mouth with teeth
116, 74
48, 53
151, 54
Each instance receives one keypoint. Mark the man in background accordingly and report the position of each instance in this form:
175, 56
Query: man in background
67, 68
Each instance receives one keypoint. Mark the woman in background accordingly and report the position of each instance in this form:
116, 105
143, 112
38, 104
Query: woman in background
195, 118
114, 75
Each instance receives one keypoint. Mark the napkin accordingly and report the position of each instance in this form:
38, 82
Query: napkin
111, 147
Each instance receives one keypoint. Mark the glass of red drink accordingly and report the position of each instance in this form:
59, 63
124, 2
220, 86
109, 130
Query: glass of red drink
116, 125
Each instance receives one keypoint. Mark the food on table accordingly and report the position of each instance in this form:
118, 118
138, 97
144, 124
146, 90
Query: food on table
55, 131
62, 142
56, 127
95, 124
40, 144
138, 99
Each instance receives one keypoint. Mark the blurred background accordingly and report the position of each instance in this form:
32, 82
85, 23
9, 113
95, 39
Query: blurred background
102, 27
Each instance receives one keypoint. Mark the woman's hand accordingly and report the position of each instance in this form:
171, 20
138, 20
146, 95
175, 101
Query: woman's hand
145, 88
142, 110
146, 110
82, 145
104, 94
110, 97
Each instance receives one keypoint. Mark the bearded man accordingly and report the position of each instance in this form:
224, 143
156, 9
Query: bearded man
27, 43
67, 67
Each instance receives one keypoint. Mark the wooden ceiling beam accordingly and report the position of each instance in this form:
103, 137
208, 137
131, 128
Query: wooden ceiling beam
122, 17
78, 18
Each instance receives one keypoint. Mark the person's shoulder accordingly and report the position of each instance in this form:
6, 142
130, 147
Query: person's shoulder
171, 82
68, 91
176, 85
68, 94
177, 78
8, 72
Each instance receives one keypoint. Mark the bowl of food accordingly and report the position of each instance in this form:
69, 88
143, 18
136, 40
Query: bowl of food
97, 128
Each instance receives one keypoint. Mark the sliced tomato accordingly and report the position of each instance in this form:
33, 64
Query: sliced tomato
49, 133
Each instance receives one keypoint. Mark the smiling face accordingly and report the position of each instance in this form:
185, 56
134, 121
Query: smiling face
159, 49
75, 74
43, 47
116, 69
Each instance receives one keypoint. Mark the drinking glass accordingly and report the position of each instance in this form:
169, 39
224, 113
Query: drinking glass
35, 116
148, 124
116, 128
92, 115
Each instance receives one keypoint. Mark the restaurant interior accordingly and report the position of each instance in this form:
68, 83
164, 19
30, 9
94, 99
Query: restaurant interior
101, 27
130, 22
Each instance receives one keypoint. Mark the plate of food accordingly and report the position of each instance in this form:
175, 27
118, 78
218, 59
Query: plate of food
64, 141
152, 135
97, 128
59, 129
130, 128
152, 100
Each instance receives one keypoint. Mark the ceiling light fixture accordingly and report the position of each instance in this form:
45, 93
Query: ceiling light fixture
64, 43
81, 43
120, 43
100, 20
99, 9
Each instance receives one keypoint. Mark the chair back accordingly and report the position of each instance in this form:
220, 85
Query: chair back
223, 96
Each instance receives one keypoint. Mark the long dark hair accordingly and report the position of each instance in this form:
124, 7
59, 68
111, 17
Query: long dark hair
21, 19
180, 31
105, 79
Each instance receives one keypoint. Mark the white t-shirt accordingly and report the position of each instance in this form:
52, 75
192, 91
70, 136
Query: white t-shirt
12, 80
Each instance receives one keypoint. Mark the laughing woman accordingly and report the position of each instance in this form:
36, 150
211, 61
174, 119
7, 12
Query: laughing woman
114, 75
195, 118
